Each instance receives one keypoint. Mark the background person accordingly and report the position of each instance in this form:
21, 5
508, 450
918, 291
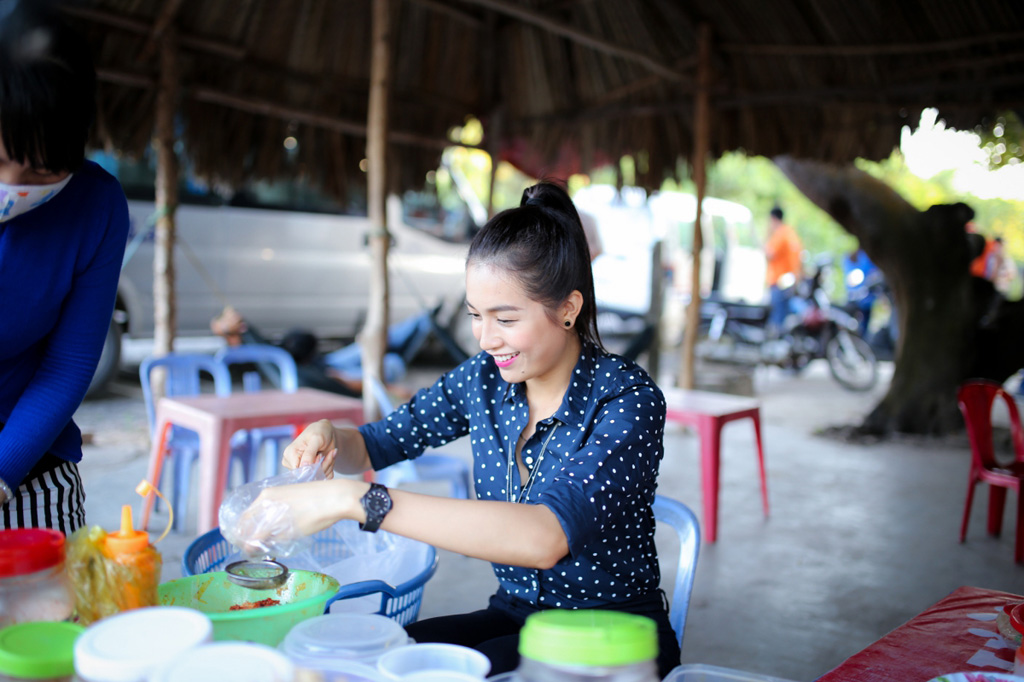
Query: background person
860, 276
63, 231
782, 252
304, 347
567, 442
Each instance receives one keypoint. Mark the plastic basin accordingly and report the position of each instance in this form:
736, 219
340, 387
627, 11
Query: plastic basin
302, 596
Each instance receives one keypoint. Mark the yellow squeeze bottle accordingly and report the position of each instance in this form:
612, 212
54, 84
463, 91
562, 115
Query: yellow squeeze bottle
133, 563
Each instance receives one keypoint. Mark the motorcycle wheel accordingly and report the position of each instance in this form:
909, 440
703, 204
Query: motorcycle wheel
852, 362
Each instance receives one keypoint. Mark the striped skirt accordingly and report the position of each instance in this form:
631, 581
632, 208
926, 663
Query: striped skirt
53, 498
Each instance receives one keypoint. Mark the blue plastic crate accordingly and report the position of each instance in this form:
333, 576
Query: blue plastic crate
210, 551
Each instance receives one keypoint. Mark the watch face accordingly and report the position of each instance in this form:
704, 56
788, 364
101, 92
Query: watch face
378, 502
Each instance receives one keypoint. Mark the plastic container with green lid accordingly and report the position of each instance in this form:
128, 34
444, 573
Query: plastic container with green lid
588, 646
38, 651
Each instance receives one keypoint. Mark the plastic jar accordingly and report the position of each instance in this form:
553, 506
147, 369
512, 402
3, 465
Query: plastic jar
356, 637
42, 651
588, 646
33, 584
129, 646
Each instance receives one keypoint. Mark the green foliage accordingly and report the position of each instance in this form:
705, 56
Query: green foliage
759, 185
992, 217
1003, 141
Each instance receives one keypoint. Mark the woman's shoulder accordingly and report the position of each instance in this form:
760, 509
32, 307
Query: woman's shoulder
614, 374
91, 183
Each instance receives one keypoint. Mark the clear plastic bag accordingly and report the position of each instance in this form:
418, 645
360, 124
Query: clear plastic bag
351, 555
265, 529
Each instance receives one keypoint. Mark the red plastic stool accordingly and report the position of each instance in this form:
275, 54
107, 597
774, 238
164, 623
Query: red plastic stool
708, 412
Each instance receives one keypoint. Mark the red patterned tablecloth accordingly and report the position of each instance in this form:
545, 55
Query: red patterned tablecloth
957, 634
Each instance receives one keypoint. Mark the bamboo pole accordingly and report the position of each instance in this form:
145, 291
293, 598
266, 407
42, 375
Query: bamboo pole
263, 107
164, 314
374, 334
701, 139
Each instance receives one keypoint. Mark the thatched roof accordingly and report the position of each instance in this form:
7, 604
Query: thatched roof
560, 82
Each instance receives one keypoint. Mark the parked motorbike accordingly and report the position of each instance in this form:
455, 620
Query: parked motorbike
814, 329
865, 288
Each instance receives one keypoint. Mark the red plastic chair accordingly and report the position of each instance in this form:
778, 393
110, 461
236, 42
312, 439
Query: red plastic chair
976, 399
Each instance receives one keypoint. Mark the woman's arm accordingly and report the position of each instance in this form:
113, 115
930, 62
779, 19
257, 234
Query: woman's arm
502, 532
526, 535
74, 344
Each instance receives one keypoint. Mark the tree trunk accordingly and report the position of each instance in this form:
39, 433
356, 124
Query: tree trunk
701, 139
925, 256
375, 334
164, 317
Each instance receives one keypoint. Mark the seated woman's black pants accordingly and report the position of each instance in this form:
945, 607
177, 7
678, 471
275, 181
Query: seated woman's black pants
494, 631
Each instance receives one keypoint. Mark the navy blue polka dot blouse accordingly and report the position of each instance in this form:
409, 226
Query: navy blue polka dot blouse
594, 463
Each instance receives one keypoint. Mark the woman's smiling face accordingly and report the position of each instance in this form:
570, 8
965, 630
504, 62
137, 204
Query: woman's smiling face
518, 332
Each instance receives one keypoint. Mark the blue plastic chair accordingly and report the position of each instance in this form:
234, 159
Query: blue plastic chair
184, 378
677, 515
426, 467
280, 369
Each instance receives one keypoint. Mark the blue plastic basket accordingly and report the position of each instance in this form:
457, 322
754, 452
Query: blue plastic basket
210, 551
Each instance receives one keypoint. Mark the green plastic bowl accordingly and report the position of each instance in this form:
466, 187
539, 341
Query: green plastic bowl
303, 595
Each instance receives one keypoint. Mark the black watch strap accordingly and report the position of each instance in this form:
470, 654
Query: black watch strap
376, 504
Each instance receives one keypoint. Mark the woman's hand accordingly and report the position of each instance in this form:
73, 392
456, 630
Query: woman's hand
282, 514
315, 444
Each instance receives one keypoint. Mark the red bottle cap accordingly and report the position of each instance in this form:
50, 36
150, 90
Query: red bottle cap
1017, 617
27, 550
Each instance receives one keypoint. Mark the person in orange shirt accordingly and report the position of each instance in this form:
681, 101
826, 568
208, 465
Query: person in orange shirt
782, 250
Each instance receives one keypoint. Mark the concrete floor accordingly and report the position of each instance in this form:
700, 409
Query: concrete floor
861, 537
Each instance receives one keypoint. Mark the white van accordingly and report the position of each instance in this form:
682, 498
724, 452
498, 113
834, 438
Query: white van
280, 269
733, 264
630, 223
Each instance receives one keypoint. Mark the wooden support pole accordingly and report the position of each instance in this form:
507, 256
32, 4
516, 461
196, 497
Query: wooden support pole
701, 143
165, 318
374, 336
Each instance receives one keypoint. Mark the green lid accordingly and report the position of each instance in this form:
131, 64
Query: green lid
588, 637
38, 650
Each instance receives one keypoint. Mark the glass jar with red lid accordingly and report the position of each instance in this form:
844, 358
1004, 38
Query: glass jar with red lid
33, 583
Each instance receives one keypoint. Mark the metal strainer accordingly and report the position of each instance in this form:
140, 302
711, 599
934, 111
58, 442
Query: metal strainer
262, 574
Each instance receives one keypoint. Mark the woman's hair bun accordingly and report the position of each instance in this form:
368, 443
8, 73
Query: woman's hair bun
551, 196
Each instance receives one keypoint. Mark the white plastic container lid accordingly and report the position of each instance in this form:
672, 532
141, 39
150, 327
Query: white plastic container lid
361, 637
441, 676
700, 672
126, 647
228, 662
431, 656
340, 670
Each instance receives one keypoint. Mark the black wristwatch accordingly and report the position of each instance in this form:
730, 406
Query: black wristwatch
377, 504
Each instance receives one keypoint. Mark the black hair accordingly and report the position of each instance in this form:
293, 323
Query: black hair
47, 87
542, 244
776, 213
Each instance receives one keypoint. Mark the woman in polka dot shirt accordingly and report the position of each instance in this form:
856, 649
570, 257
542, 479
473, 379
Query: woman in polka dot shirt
566, 439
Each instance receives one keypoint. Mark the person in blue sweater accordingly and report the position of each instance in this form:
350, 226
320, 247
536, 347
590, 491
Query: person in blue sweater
63, 231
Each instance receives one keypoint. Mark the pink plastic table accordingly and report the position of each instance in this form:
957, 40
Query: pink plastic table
216, 418
957, 634
708, 413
